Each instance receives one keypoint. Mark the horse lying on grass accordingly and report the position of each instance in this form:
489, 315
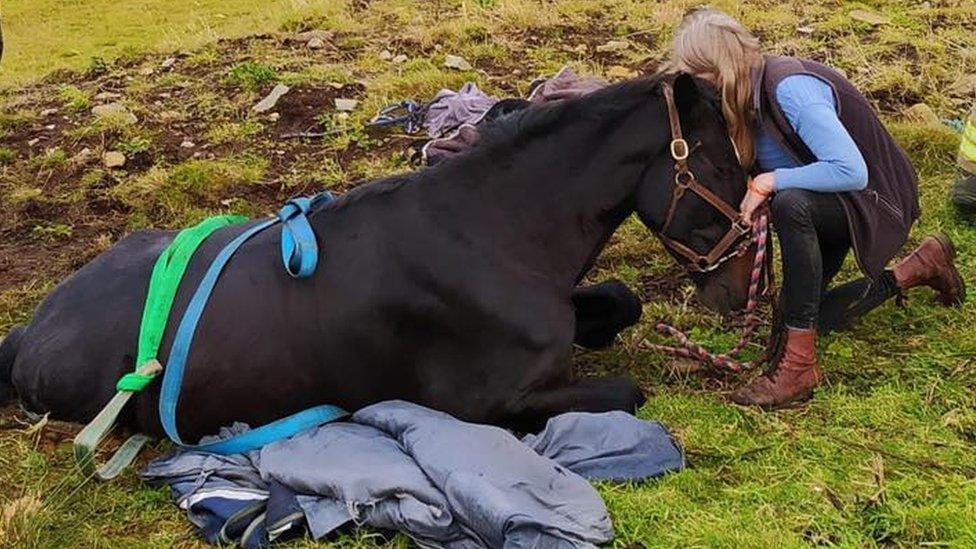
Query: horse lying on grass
452, 287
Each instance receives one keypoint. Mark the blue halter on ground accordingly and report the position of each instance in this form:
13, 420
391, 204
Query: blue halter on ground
299, 256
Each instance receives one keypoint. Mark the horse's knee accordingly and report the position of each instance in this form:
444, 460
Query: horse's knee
602, 311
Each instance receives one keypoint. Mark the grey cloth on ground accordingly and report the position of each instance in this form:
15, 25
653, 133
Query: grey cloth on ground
452, 117
444, 482
611, 446
449, 109
565, 85
459, 141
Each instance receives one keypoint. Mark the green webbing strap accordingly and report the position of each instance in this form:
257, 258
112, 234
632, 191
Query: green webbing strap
163, 284
165, 280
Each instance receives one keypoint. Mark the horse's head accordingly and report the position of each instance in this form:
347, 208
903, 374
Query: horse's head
691, 192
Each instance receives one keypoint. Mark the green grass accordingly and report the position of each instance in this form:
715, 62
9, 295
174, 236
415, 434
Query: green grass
882, 456
43, 35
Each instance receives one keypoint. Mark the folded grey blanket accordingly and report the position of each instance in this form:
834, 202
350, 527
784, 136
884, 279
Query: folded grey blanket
441, 481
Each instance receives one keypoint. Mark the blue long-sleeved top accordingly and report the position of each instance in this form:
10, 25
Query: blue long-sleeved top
810, 107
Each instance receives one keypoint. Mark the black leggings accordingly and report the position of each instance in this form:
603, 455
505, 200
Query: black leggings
814, 240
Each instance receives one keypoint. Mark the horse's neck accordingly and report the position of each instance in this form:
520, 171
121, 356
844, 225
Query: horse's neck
553, 205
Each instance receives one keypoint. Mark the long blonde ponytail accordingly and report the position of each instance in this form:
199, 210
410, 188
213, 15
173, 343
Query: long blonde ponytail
713, 45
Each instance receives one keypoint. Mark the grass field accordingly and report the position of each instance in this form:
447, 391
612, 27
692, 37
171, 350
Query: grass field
883, 455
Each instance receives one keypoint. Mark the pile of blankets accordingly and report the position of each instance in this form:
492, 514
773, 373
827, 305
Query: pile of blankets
397, 466
451, 118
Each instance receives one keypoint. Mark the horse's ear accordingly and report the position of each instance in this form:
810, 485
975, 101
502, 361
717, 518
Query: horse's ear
686, 92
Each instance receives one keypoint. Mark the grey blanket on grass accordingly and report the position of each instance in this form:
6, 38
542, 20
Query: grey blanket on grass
441, 481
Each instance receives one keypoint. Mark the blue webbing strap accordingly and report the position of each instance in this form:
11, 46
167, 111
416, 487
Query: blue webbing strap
300, 244
299, 251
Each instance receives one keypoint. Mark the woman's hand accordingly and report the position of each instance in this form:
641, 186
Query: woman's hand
760, 187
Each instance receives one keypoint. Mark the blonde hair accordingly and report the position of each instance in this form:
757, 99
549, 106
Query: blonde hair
711, 44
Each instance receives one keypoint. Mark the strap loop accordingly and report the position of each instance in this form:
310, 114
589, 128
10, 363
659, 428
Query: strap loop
299, 248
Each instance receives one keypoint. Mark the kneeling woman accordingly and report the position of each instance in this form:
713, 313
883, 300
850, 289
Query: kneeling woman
835, 180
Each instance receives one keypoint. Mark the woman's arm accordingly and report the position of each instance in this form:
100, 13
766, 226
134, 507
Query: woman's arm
809, 106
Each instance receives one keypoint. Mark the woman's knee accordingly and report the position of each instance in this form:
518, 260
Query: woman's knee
792, 208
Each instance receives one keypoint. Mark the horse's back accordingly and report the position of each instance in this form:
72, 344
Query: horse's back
83, 335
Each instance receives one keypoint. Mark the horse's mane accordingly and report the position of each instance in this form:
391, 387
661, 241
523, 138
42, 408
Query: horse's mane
608, 102
518, 127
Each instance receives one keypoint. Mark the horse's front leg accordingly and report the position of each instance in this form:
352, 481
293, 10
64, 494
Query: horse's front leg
601, 394
602, 311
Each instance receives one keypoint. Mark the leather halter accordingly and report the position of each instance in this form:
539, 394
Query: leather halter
685, 180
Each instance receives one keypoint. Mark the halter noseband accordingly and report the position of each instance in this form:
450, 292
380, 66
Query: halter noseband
685, 180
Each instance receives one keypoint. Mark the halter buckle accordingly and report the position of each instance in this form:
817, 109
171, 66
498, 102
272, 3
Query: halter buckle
681, 145
741, 226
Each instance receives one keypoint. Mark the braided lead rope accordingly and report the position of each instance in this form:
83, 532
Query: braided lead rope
691, 350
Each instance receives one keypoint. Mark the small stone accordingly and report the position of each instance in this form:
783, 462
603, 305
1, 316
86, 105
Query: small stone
618, 71
613, 46
868, 17
168, 116
167, 63
385, 55
274, 117
146, 71
271, 99
805, 30
49, 112
516, 72
964, 86
315, 34
187, 144
82, 156
113, 159
315, 44
400, 59
50, 127
106, 96
922, 114
456, 62
345, 105
34, 141
114, 110
166, 95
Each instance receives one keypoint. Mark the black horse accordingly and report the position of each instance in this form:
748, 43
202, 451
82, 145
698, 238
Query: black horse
451, 287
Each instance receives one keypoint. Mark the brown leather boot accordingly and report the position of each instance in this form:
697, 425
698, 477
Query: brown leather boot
932, 264
792, 379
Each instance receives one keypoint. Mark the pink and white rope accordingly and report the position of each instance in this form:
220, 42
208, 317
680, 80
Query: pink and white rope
691, 350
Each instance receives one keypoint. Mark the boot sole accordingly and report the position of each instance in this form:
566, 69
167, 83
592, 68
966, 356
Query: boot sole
950, 250
790, 404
